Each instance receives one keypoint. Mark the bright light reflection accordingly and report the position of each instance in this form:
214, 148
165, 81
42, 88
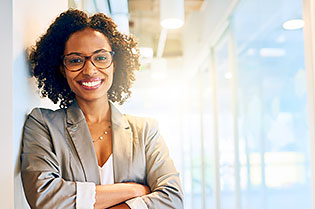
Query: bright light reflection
158, 75
293, 24
272, 52
281, 169
172, 23
228, 75
146, 52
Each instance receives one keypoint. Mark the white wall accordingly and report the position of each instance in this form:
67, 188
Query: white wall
6, 110
30, 19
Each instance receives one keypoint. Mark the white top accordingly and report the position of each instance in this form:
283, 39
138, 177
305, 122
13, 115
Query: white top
86, 190
107, 171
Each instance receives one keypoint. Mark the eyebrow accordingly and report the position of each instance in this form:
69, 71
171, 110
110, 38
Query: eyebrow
80, 54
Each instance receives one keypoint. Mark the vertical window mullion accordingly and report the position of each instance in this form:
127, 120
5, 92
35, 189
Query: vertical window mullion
203, 182
217, 192
309, 47
232, 67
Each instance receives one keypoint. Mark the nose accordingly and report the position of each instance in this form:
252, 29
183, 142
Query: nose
89, 69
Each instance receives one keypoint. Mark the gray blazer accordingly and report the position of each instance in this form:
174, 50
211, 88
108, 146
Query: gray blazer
58, 151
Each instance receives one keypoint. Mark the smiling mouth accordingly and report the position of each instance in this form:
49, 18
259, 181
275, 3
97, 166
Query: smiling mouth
90, 84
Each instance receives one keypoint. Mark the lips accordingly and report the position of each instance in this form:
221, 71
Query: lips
91, 84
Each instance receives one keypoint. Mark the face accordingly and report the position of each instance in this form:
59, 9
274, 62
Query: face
90, 83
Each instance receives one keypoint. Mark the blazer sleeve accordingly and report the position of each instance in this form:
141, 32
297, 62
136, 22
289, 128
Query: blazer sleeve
40, 169
162, 176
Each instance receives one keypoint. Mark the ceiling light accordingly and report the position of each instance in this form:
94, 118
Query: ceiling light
172, 13
172, 23
293, 24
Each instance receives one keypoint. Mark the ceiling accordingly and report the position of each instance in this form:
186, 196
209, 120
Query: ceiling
144, 23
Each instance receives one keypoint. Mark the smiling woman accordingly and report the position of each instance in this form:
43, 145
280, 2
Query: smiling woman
87, 154
48, 50
89, 79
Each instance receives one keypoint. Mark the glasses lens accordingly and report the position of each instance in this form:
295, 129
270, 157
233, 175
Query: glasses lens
73, 62
102, 59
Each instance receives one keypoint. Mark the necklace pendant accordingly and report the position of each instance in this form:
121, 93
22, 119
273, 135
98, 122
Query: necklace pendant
101, 137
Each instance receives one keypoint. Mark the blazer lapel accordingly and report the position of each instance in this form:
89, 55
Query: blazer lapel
122, 145
80, 135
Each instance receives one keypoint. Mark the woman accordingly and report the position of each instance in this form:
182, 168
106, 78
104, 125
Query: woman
87, 154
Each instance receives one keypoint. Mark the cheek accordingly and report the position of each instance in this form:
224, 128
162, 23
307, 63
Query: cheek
109, 78
110, 73
70, 79
112, 76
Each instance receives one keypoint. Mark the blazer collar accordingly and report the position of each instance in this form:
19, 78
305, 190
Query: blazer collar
74, 113
81, 138
122, 138
117, 117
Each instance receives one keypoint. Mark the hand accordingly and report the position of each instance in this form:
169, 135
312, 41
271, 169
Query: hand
112, 194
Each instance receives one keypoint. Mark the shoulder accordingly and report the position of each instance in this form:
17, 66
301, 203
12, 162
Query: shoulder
41, 123
43, 115
143, 127
142, 122
39, 112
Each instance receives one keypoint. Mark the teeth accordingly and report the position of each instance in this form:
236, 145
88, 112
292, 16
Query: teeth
92, 83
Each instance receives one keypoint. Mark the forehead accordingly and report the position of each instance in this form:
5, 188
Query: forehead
87, 41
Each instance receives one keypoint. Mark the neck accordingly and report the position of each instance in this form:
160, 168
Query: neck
95, 111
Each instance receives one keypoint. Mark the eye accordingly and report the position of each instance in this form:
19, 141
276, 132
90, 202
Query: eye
101, 58
75, 60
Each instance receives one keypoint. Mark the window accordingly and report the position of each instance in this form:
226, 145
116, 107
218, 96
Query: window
272, 113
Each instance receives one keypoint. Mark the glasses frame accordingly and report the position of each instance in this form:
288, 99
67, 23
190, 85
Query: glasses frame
86, 58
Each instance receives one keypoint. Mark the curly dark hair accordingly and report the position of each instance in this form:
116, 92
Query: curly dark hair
45, 56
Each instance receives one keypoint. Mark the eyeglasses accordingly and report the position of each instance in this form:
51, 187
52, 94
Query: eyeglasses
75, 61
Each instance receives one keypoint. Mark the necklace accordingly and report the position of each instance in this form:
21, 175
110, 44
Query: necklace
101, 136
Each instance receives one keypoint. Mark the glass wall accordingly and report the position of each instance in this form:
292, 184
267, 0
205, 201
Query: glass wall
225, 128
272, 114
261, 125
